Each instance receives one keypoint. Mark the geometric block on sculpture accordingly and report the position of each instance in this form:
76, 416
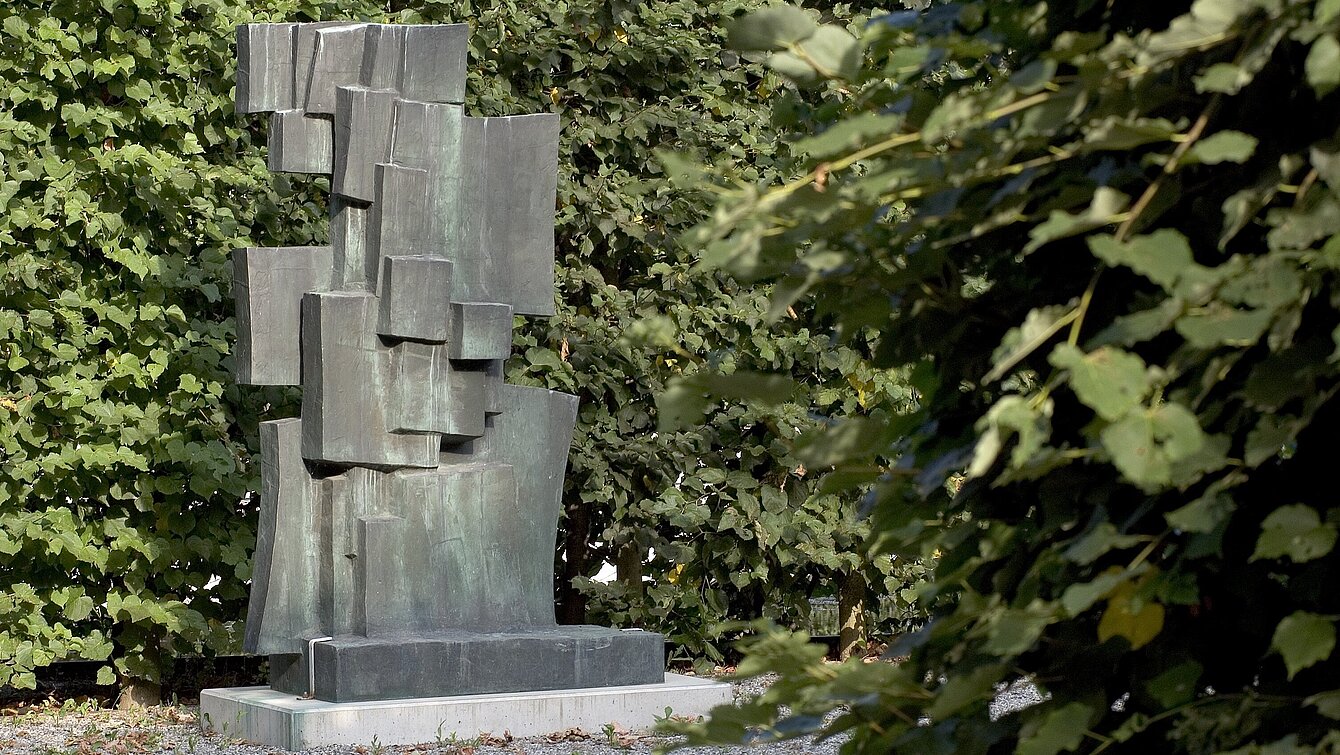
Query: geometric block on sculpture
532, 434
268, 286
383, 57
428, 394
520, 162
299, 144
415, 301
337, 60
481, 330
344, 379
397, 226
285, 600
362, 139
381, 589
264, 67
433, 62
462, 662
349, 243
304, 55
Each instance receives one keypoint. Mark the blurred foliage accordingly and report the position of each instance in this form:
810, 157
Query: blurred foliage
1101, 239
126, 452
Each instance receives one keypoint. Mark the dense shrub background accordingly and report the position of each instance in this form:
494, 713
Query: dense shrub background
125, 450
1103, 238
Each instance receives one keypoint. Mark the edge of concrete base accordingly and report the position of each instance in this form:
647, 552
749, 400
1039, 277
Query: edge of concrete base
263, 716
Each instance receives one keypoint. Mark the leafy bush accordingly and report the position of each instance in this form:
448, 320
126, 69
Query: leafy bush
1102, 237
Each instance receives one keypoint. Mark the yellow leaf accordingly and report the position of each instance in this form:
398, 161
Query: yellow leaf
673, 576
555, 95
1123, 619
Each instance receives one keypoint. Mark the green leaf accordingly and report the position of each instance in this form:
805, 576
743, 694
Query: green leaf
1295, 531
1105, 208
1204, 514
1219, 324
1177, 685
1161, 256
1098, 541
833, 52
1225, 78
1058, 730
1223, 146
1323, 65
106, 675
685, 399
1303, 639
1039, 326
1328, 703
1144, 445
770, 28
1108, 380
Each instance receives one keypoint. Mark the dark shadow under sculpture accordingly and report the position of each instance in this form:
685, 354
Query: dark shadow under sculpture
410, 514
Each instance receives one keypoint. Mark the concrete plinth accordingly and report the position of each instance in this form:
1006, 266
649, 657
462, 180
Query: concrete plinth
276, 719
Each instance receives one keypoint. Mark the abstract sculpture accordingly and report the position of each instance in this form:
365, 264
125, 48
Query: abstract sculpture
408, 517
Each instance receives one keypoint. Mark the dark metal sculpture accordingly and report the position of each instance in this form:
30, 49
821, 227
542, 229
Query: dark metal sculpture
408, 517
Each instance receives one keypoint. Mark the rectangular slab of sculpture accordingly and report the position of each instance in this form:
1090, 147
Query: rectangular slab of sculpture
264, 69
397, 226
362, 139
344, 388
416, 299
480, 330
300, 144
408, 519
268, 286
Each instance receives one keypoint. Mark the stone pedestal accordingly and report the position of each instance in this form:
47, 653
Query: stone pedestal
267, 717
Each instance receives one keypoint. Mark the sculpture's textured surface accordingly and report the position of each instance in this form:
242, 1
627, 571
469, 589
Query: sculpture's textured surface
410, 513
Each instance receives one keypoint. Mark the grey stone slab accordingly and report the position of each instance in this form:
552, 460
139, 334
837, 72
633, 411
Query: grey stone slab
458, 662
284, 720
362, 139
415, 302
432, 137
532, 433
349, 242
383, 584
434, 62
344, 385
493, 386
304, 55
450, 551
337, 61
481, 330
521, 179
284, 604
427, 393
384, 57
265, 67
398, 225
268, 286
353, 494
301, 144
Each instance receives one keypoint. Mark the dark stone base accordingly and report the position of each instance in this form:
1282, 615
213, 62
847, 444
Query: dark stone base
393, 667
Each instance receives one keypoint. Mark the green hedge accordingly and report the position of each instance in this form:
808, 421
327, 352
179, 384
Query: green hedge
125, 449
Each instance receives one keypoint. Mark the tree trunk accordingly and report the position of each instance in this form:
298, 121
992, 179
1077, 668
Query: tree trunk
629, 568
576, 548
851, 615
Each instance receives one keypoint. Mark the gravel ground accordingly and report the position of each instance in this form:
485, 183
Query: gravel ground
88, 730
